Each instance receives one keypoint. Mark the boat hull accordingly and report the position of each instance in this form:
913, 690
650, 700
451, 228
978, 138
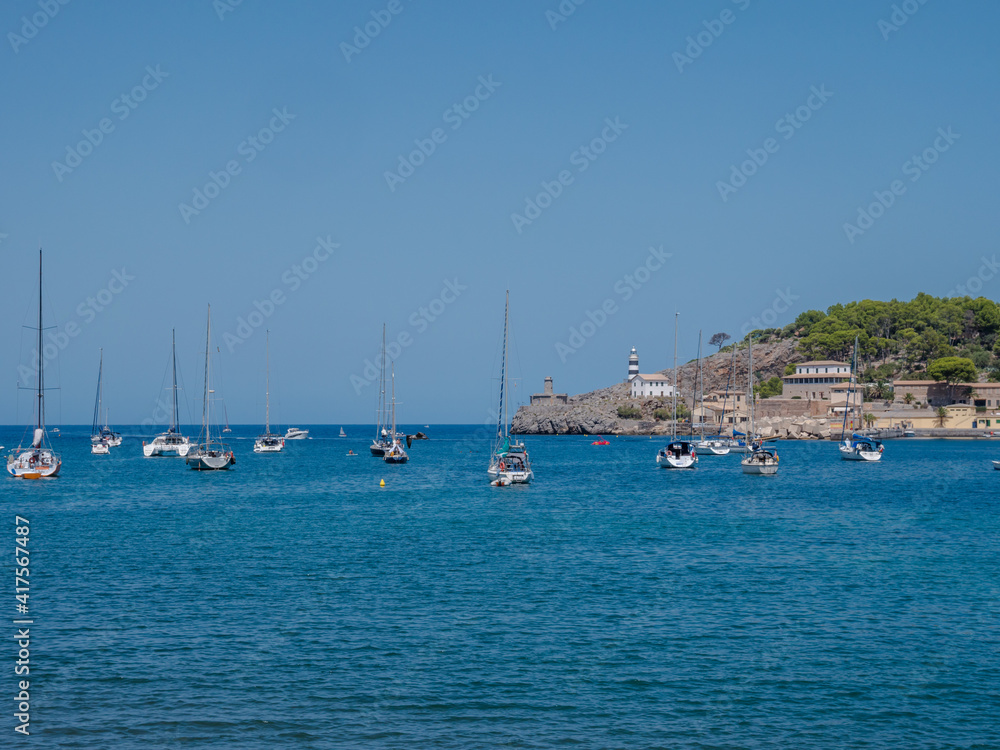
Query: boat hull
45, 464
675, 462
758, 468
996, 465
210, 461
294, 434
378, 450
712, 449
510, 477
161, 448
849, 454
100, 449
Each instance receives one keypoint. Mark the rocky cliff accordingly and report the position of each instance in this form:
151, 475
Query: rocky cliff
596, 412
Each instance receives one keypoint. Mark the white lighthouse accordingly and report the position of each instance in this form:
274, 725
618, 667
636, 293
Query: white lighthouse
633, 365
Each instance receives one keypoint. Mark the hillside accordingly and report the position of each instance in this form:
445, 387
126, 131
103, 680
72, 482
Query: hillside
896, 340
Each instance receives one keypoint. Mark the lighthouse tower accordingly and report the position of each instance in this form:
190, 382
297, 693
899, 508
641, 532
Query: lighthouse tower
633, 365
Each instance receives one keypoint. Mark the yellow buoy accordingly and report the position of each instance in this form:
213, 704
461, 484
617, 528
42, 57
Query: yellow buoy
381, 483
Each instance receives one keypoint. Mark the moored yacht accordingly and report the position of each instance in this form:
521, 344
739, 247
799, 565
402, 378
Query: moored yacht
268, 443
171, 442
395, 454
294, 433
761, 461
509, 462
38, 460
679, 454
857, 447
209, 454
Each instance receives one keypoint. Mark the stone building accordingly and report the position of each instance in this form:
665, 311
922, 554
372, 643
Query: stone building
547, 396
813, 380
938, 393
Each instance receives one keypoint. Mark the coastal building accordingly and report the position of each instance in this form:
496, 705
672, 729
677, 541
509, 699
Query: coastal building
547, 397
649, 386
938, 393
813, 381
633, 365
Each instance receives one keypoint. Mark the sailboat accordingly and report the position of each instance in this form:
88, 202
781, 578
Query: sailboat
857, 447
342, 433
98, 445
381, 442
713, 446
395, 454
761, 460
38, 460
209, 455
268, 443
680, 454
171, 442
225, 414
509, 462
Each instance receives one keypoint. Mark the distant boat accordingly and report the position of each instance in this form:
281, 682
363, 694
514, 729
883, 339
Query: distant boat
294, 433
171, 442
395, 454
761, 461
342, 433
209, 455
712, 446
38, 460
225, 413
509, 462
857, 447
268, 443
99, 445
382, 440
680, 454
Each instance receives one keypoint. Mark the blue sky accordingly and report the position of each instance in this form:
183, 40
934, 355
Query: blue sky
439, 236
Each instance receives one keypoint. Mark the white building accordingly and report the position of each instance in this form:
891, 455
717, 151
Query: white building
648, 386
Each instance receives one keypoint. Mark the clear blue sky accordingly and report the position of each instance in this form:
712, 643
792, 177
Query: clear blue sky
550, 92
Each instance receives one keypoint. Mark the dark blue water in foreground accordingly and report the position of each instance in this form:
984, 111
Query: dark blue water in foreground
293, 603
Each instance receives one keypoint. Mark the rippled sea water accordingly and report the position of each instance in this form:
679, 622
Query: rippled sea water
292, 602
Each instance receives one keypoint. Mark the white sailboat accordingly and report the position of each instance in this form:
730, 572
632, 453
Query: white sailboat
509, 461
98, 445
268, 443
679, 454
761, 461
712, 446
171, 442
209, 455
382, 440
37, 460
395, 454
857, 447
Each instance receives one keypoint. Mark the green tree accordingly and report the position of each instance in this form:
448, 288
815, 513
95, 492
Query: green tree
719, 339
953, 370
629, 412
869, 418
908, 398
942, 415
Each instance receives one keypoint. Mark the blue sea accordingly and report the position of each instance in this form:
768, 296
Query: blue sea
293, 602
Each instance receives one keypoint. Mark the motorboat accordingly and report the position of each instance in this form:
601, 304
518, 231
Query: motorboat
100, 448
294, 433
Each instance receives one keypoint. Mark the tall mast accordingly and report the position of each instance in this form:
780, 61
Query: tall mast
40, 422
502, 411
393, 400
267, 385
850, 388
701, 380
97, 400
750, 394
381, 392
676, 315
205, 410
173, 351
100, 387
